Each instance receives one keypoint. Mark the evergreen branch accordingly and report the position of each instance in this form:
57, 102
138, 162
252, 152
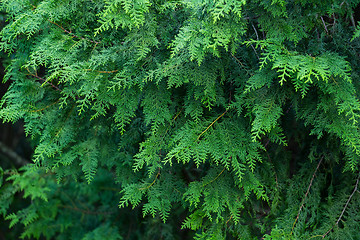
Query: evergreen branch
164, 99
307, 192
73, 35
182, 149
344, 209
38, 155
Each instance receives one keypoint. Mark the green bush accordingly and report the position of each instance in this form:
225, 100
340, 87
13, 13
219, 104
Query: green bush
184, 119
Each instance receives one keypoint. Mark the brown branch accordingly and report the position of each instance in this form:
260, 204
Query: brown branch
307, 192
228, 220
214, 178
67, 31
156, 177
211, 124
51, 84
42, 109
83, 211
43, 80
73, 35
344, 209
238, 61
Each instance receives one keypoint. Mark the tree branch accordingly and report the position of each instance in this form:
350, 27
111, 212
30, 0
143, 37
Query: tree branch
344, 209
73, 35
43, 80
307, 192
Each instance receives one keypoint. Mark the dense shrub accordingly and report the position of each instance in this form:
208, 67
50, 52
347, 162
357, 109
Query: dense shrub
181, 119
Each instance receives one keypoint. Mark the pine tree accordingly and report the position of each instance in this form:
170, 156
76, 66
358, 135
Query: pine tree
184, 119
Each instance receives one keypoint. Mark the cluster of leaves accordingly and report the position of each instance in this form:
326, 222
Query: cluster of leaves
230, 118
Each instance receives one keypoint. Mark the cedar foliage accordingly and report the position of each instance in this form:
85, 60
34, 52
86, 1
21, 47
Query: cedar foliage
233, 119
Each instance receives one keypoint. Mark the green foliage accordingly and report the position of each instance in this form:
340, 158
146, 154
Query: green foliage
225, 119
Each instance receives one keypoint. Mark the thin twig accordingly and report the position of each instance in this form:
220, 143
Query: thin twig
228, 220
156, 177
73, 35
324, 25
257, 55
66, 31
13, 155
42, 109
307, 192
352, 20
211, 124
344, 209
214, 178
238, 61
257, 35
43, 80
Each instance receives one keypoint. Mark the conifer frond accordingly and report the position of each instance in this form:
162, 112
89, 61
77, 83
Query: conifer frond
213, 113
